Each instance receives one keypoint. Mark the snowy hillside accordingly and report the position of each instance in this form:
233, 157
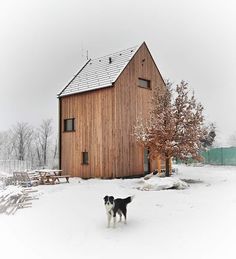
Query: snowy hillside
69, 220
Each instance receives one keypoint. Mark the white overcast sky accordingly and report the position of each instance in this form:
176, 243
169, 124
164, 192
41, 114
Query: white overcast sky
41, 43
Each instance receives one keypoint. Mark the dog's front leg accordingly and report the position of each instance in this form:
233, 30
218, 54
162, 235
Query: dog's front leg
108, 219
114, 220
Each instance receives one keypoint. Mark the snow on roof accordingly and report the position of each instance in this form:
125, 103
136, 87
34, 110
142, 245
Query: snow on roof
100, 72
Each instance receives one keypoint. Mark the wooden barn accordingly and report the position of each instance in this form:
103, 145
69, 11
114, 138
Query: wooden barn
97, 112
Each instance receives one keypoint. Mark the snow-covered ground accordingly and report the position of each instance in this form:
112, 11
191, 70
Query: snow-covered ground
69, 220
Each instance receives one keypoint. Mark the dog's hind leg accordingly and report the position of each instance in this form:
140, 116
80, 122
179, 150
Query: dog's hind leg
125, 215
120, 214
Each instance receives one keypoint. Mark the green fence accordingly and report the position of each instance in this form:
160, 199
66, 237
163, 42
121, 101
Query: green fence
220, 156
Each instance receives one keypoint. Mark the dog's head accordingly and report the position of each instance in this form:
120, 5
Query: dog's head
109, 202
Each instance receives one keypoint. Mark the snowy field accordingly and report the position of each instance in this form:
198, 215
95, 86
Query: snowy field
69, 220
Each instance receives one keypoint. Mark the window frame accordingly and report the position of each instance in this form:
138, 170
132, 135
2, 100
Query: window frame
73, 125
144, 80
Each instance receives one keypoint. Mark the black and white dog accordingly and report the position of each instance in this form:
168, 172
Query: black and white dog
114, 206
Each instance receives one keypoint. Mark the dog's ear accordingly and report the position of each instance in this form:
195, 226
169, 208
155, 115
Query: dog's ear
105, 198
111, 198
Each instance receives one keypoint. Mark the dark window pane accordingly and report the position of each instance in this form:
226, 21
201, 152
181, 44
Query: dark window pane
85, 158
69, 125
144, 83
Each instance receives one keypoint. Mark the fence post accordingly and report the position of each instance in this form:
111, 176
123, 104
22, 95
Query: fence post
222, 156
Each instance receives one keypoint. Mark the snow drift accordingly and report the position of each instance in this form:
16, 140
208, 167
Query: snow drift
156, 183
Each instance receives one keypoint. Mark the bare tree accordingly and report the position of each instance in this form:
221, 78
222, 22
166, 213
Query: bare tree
44, 134
5, 147
175, 125
21, 136
209, 138
55, 158
55, 151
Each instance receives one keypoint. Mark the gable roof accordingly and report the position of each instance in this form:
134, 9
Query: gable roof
100, 72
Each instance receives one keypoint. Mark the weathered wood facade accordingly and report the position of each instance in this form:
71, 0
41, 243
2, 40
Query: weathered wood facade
104, 120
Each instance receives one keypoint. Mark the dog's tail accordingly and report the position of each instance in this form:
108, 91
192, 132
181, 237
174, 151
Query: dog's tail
129, 199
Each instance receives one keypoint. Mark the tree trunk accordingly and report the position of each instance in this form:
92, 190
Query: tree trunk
167, 167
45, 154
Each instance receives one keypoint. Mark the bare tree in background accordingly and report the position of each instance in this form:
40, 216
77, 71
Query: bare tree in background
22, 142
5, 147
21, 136
209, 138
44, 134
55, 151
175, 126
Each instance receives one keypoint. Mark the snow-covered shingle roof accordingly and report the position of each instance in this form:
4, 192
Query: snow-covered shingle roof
100, 72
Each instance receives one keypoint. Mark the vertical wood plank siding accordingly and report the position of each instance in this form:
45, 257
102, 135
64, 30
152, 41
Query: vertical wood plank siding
104, 122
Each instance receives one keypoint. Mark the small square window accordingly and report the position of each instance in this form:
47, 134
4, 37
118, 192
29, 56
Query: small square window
85, 158
144, 83
69, 125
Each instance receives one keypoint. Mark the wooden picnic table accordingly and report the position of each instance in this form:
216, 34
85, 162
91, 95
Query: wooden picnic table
50, 176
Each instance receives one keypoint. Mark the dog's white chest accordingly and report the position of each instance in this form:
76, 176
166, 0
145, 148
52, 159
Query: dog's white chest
109, 208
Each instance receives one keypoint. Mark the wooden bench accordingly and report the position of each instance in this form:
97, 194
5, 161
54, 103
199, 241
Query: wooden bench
58, 177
